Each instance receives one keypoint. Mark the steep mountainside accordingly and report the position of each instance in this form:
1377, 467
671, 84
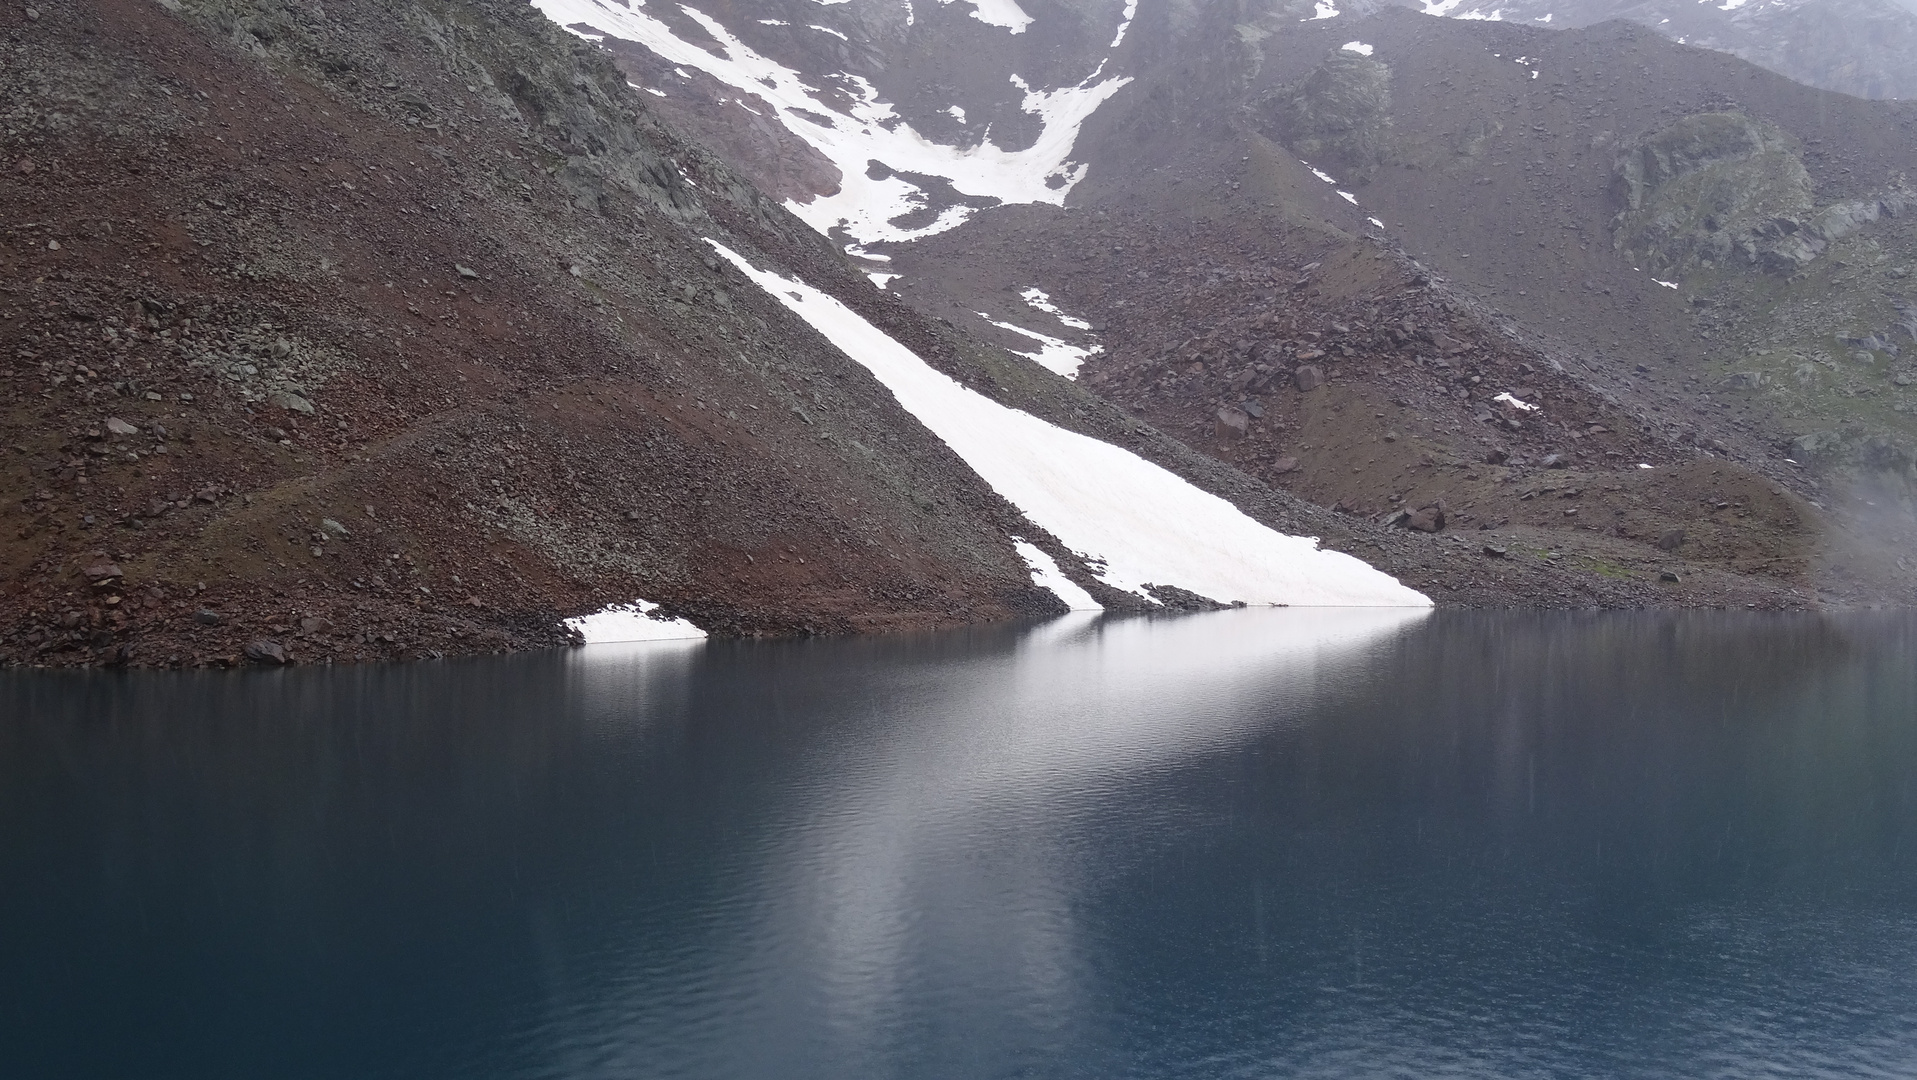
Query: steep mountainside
1858, 47
404, 327
1328, 249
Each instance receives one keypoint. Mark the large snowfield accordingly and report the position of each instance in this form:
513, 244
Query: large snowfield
1139, 522
870, 130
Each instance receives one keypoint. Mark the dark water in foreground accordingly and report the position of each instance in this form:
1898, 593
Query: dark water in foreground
1259, 844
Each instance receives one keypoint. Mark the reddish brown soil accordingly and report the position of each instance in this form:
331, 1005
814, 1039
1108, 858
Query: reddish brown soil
597, 411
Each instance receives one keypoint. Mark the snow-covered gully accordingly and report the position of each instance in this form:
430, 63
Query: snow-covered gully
1133, 522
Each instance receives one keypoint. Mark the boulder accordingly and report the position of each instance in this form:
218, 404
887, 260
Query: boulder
1310, 377
265, 652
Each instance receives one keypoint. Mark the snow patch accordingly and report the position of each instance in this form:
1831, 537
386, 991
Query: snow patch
1037, 298
1047, 575
1641, 465
1004, 13
1348, 197
870, 130
1320, 174
1136, 522
631, 622
1358, 47
1125, 23
956, 112
827, 30
1521, 406
880, 279
773, 22
1666, 284
1542, 19
1376, 222
1323, 9
1053, 355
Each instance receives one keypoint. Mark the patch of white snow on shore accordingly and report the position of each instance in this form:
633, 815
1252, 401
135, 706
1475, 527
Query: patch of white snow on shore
1322, 9
1140, 522
868, 129
880, 279
1358, 47
631, 622
1047, 575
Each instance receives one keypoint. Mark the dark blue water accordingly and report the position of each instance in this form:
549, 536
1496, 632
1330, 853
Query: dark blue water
1257, 844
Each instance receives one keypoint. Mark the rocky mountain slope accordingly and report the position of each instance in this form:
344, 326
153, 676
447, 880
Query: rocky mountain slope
409, 327
1857, 47
1327, 249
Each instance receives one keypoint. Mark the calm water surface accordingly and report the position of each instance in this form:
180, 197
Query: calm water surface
1252, 844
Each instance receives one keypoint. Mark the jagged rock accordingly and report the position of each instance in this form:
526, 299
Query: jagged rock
265, 652
1232, 423
1339, 117
290, 402
120, 427
1310, 377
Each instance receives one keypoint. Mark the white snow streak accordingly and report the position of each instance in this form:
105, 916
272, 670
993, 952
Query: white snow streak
1125, 23
880, 279
1322, 175
1376, 222
1005, 13
1358, 47
1047, 575
1666, 284
1323, 9
1038, 298
867, 208
1142, 523
1348, 197
631, 622
827, 30
957, 112
1515, 403
1053, 355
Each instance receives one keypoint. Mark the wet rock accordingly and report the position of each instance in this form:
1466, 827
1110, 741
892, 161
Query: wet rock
265, 652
